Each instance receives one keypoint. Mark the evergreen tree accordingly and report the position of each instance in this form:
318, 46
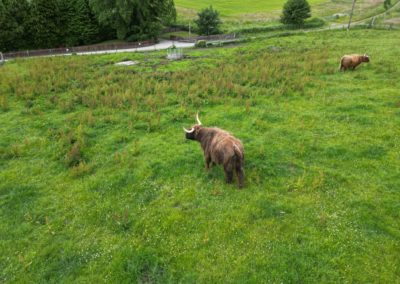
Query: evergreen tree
295, 12
14, 15
83, 27
66, 12
208, 21
134, 19
45, 24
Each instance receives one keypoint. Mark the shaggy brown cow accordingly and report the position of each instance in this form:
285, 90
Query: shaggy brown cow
352, 61
220, 148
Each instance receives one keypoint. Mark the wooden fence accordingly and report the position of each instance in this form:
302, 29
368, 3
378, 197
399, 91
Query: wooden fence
207, 38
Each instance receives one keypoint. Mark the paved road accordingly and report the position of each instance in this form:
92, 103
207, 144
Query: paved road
159, 46
165, 44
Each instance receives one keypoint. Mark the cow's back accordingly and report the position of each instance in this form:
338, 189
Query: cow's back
223, 147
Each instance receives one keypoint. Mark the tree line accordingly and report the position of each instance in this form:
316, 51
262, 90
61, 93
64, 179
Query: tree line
32, 24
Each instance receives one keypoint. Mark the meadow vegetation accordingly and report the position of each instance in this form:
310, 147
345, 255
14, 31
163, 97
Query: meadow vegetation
98, 183
236, 7
243, 15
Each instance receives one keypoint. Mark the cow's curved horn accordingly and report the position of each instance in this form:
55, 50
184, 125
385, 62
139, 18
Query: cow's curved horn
188, 131
197, 118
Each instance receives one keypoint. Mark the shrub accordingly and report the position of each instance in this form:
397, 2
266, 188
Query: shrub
295, 12
201, 43
387, 4
208, 21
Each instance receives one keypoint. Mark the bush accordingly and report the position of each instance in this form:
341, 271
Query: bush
387, 4
295, 12
201, 44
208, 21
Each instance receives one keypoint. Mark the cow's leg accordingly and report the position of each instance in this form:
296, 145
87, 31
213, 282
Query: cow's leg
207, 161
228, 172
240, 174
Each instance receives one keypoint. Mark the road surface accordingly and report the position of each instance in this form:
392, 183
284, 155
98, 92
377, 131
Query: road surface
165, 44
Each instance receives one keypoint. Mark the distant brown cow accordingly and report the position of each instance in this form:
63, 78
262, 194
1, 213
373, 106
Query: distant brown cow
352, 61
221, 148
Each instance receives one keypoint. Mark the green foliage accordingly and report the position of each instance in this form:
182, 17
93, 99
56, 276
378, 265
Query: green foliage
387, 4
14, 24
135, 18
208, 21
201, 44
55, 23
45, 25
295, 12
83, 27
321, 201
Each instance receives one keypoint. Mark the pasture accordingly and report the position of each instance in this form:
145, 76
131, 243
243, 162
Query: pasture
237, 15
235, 7
99, 185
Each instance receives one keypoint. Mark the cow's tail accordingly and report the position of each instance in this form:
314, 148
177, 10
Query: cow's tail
239, 165
341, 67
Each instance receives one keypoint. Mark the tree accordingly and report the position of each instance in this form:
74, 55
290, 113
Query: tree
14, 16
295, 12
82, 27
45, 25
208, 21
135, 18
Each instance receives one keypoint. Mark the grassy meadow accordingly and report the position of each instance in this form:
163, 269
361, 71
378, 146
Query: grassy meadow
99, 185
229, 8
238, 15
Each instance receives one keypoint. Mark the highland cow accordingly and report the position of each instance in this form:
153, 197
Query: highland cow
352, 61
221, 148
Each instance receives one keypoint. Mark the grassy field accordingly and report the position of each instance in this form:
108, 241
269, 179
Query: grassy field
98, 183
390, 18
237, 15
235, 7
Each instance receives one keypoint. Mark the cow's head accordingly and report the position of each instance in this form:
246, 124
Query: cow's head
365, 58
194, 131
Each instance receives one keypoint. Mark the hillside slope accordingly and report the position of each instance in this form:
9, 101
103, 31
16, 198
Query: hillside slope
98, 183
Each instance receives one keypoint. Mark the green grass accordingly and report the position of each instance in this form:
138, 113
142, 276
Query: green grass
236, 7
98, 183
244, 15
390, 18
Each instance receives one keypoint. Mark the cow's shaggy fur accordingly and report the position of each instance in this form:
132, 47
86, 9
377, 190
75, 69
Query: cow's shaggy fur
221, 148
352, 61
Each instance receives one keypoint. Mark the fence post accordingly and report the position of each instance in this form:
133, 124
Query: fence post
351, 14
